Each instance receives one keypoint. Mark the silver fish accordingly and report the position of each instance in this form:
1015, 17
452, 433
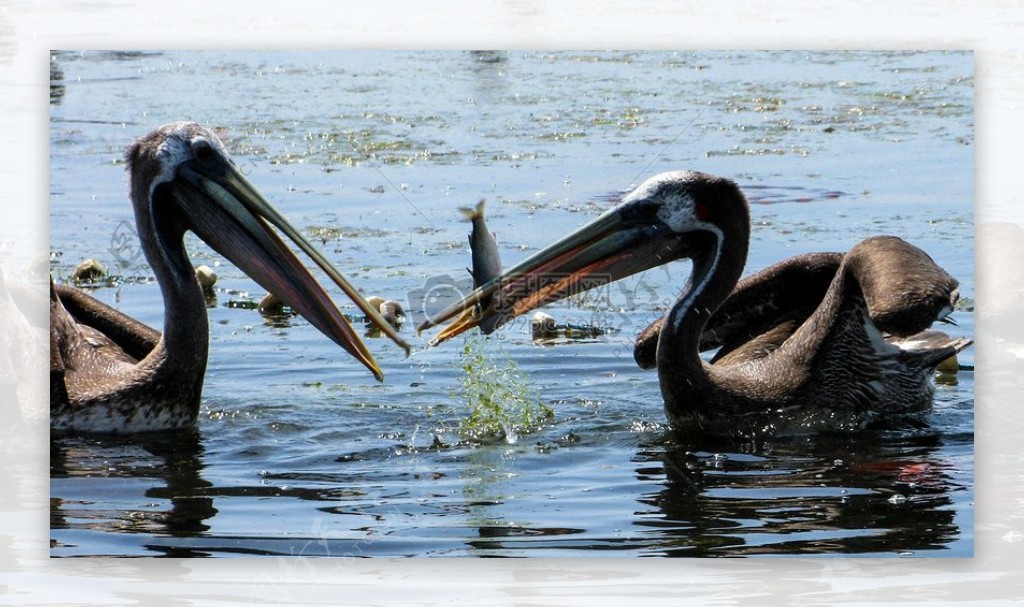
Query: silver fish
486, 259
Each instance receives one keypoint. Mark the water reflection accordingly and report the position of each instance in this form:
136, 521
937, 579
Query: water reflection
869, 494
489, 70
183, 501
827, 494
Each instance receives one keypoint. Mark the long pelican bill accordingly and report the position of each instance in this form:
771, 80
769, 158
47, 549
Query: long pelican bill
230, 215
612, 246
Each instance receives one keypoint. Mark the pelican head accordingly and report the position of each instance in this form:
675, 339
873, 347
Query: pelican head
182, 179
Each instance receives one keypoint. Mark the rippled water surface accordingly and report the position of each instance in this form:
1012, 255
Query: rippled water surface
299, 452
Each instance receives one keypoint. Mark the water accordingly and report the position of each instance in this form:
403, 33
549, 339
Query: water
299, 452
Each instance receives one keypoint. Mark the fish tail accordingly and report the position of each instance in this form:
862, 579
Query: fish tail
473, 213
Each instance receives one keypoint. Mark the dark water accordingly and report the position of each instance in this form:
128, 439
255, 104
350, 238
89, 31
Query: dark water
299, 452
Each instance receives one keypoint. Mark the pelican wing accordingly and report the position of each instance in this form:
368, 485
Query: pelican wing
779, 295
136, 339
905, 292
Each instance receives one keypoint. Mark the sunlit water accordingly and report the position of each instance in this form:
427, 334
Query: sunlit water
299, 452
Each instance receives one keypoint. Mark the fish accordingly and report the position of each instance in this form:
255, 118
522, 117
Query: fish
486, 261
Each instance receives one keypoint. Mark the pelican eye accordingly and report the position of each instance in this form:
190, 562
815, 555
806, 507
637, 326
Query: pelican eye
202, 150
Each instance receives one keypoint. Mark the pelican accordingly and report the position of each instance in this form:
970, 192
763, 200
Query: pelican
792, 357
110, 373
765, 308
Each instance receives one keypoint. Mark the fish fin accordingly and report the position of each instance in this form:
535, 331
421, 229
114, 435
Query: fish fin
474, 212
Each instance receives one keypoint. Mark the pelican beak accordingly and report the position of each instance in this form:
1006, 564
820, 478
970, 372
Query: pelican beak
231, 216
468, 319
619, 243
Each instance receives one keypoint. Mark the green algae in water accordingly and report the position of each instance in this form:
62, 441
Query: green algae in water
501, 402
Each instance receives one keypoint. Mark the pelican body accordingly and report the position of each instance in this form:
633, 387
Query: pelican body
802, 343
112, 374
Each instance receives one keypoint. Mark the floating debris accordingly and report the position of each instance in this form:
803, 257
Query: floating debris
949, 366
391, 310
207, 277
89, 271
542, 326
270, 304
241, 304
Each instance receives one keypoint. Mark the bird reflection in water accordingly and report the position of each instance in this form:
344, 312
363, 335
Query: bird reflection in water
862, 495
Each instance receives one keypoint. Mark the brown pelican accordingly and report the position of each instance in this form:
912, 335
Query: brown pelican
110, 373
790, 358
766, 307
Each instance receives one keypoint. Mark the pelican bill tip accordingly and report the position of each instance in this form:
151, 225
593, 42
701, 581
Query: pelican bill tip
447, 334
422, 327
390, 331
